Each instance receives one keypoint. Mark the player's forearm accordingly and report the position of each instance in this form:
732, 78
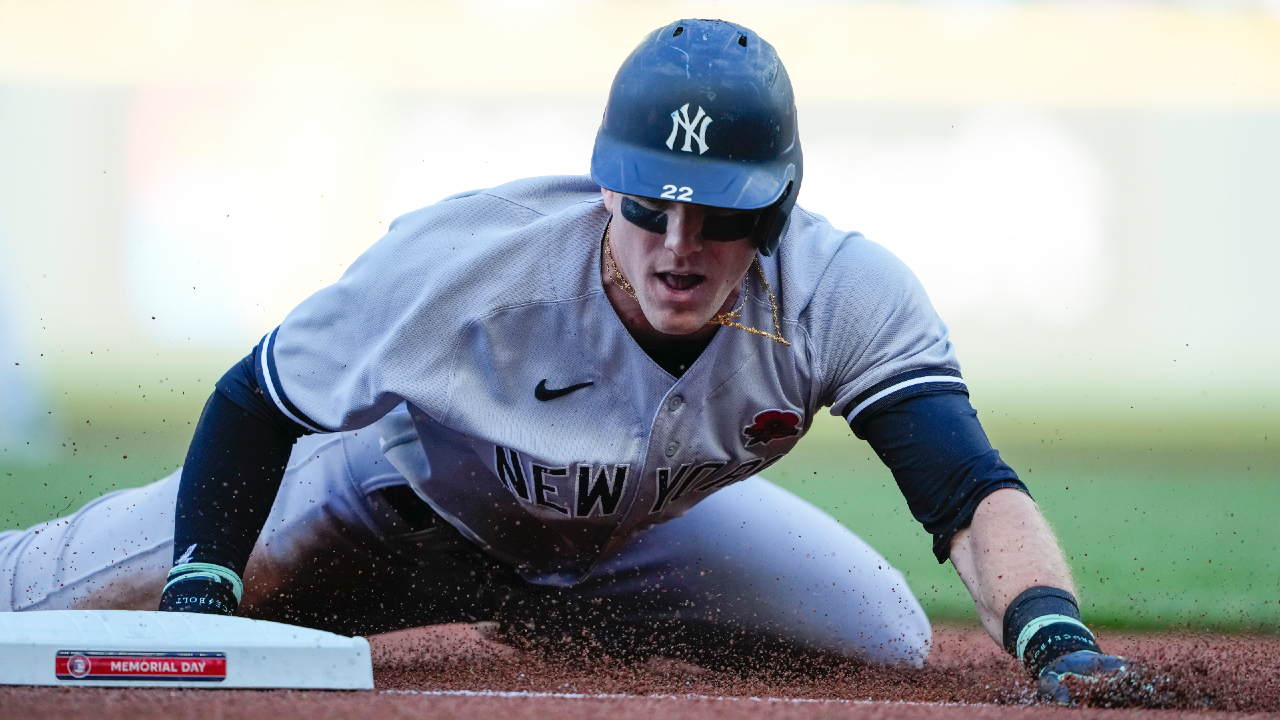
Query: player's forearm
233, 470
229, 483
1007, 548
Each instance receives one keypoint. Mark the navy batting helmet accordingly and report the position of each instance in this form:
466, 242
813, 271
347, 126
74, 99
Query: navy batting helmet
702, 111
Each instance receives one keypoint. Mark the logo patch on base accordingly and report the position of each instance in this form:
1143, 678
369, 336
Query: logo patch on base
772, 425
112, 665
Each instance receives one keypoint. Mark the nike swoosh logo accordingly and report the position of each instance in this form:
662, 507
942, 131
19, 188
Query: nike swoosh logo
542, 393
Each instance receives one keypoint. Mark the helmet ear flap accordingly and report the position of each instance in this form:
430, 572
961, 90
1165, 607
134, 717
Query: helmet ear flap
774, 221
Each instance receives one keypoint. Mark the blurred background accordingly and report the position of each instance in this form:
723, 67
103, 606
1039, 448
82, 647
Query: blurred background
1089, 191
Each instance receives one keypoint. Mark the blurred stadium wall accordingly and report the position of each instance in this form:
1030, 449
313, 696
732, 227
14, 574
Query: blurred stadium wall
1090, 192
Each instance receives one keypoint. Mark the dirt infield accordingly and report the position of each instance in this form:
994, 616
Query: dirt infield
453, 672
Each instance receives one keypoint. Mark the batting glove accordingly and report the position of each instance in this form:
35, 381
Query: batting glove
1087, 677
202, 588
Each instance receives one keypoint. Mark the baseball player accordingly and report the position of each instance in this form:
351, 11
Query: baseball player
549, 404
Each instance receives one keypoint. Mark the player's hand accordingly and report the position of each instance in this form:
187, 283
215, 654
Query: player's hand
201, 588
1086, 677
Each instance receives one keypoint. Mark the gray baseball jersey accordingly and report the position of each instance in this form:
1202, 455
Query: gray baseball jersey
478, 335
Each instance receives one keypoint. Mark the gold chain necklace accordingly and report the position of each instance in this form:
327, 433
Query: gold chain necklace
727, 319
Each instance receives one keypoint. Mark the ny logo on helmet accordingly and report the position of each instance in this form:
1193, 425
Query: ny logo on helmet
695, 130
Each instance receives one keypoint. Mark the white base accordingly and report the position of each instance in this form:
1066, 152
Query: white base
134, 648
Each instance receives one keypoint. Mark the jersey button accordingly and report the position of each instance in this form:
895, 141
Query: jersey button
675, 403
672, 448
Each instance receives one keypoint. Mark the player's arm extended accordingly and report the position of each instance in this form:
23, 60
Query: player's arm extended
229, 482
1010, 561
1007, 548
984, 520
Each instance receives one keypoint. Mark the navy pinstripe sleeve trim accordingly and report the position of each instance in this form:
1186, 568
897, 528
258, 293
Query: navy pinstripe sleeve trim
270, 380
900, 387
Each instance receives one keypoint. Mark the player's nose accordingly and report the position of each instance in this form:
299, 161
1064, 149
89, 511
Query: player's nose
684, 230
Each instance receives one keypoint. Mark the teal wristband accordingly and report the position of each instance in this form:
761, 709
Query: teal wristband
208, 571
1035, 626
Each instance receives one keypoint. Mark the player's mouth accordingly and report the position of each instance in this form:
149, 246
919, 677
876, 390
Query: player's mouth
680, 283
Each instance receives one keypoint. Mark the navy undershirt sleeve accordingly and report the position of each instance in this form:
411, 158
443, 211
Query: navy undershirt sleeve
233, 470
941, 459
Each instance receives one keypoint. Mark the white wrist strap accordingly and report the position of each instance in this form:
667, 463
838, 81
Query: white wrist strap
206, 570
1034, 626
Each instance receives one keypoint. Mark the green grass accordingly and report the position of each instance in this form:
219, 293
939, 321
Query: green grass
1158, 534
117, 426
1168, 519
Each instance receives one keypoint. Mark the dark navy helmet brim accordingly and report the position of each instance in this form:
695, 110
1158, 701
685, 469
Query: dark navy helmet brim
632, 170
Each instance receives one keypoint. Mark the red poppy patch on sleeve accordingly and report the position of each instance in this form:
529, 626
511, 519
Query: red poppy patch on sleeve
772, 425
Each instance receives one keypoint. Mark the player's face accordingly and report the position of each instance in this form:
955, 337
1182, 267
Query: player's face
685, 262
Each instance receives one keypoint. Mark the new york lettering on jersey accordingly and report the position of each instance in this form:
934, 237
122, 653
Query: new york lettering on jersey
598, 489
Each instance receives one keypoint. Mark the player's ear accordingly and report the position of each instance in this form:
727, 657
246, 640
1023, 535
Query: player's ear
610, 197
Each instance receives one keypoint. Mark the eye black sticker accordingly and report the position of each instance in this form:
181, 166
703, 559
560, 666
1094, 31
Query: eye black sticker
715, 228
654, 221
727, 228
